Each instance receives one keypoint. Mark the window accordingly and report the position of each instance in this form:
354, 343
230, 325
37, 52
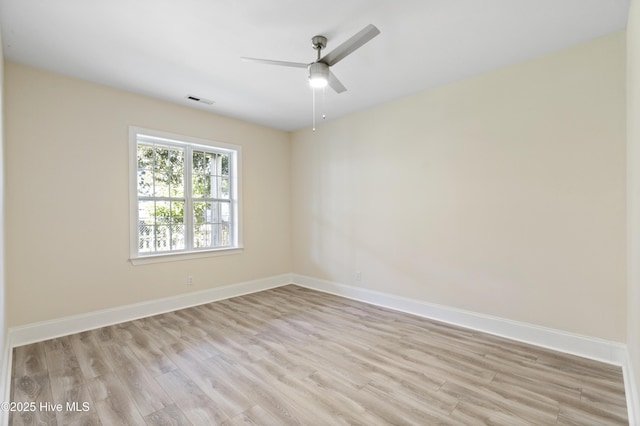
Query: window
185, 197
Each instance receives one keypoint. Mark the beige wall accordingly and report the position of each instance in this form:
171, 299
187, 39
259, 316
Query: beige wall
67, 174
503, 194
633, 153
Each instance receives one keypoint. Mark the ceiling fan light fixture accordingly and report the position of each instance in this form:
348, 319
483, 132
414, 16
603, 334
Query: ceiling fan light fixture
318, 82
318, 75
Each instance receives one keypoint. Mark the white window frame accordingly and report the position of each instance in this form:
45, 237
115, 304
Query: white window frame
190, 143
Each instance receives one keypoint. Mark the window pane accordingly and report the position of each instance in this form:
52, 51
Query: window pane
224, 235
211, 224
145, 237
198, 162
210, 165
203, 162
210, 176
177, 237
145, 170
161, 159
224, 188
176, 187
145, 183
215, 187
161, 171
161, 185
225, 165
202, 236
146, 226
203, 218
176, 172
201, 213
162, 238
177, 208
160, 226
202, 171
163, 212
145, 156
225, 212
201, 186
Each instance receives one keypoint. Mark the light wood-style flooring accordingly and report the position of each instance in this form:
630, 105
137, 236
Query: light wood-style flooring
296, 356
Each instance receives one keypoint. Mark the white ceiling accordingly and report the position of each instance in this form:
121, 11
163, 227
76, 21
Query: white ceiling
170, 48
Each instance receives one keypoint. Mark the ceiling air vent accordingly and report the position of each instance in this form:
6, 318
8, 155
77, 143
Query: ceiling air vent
199, 99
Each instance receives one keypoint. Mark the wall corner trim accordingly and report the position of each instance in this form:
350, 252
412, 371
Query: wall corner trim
631, 391
5, 379
37, 332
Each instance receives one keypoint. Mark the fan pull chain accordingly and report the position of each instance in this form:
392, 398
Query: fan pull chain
314, 108
324, 102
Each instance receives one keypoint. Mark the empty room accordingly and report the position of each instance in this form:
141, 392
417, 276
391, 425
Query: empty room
346, 212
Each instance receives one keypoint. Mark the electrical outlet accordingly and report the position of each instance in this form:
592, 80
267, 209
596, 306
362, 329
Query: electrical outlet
189, 279
358, 276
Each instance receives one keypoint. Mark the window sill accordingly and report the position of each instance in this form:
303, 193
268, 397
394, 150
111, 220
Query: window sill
172, 257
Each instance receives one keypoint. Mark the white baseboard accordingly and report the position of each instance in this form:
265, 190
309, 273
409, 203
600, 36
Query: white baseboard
584, 346
37, 332
562, 341
588, 347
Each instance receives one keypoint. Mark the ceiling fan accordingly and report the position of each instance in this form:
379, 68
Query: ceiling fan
319, 73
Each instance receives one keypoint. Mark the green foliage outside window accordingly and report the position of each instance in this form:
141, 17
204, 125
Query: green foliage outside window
161, 185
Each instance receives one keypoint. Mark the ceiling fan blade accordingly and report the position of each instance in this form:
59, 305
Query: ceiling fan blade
349, 46
281, 63
335, 83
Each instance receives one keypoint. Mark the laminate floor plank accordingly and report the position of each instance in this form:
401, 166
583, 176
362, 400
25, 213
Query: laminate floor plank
140, 384
589, 413
112, 402
33, 389
346, 397
294, 356
31, 386
252, 417
30, 359
555, 392
192, 401
168, 416
324, 358
288, 409
291, 393
68, 385
155, 331
76, 407
396, 411
89, 354
471, 415
144, 348
214, 384
64, 371
484, 397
